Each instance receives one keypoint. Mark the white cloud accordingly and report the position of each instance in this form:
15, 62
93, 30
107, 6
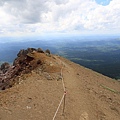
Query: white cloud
29, 16
26, 11
61, 1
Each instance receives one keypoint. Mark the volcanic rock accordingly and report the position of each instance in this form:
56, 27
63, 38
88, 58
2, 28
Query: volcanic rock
4, 67
25, 62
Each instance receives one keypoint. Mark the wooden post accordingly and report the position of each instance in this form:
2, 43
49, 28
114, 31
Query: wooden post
64, 103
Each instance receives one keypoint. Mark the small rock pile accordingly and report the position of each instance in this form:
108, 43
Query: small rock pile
23, 64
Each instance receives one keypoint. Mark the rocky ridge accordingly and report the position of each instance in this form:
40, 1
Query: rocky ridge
26, 61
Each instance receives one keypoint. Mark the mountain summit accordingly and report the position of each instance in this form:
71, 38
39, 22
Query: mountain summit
32, 88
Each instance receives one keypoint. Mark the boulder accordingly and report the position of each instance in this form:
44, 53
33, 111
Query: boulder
22, 53
30, 50
4, 67
40, 50
47, 51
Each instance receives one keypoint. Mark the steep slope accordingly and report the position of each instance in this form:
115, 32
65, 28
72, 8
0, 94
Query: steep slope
90, 95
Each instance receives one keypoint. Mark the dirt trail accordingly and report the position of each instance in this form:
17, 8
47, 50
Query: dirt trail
86, 99
36, 98
77, 102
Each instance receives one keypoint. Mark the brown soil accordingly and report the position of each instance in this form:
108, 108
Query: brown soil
90, 95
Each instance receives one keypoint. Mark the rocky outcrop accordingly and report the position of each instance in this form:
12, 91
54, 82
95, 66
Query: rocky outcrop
40, 50
47, 51
24, 63
4, 67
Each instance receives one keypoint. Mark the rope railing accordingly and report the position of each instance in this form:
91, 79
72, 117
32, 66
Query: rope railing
63, 97
63, 81
59, 106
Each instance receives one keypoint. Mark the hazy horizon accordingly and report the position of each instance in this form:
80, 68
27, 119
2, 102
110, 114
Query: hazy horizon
58, 37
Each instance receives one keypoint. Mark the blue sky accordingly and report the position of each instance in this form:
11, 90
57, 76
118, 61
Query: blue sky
40, 17
103, 2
